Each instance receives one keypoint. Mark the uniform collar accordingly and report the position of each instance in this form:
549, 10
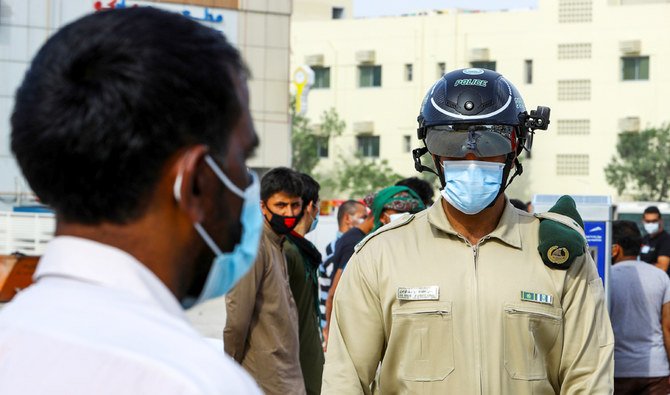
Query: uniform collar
507, 230
110, 267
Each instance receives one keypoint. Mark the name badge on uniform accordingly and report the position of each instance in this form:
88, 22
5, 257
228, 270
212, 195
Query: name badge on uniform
419, 293
645, 249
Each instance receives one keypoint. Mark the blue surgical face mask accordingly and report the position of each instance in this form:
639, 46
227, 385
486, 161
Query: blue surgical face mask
229, 267
471, 185
314, 223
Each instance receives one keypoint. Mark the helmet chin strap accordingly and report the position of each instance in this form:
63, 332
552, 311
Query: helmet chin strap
518, 169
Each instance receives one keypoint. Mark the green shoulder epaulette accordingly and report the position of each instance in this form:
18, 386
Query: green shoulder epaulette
402, 221
562, 237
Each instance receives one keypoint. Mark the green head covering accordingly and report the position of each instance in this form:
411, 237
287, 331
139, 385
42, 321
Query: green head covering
399, 198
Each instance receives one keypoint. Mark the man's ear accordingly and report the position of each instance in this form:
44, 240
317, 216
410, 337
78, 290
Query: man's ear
616, 250
191, 178
264, 208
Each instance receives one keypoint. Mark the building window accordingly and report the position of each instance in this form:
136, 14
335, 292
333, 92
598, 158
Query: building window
441, 69
368, 146
572, 165
575, 11
528, 71
409, 72
321, 77
484, 64
574, 51
407, 143
322, 146
338, 13
369, 75
635, 68
573, 126
574, 90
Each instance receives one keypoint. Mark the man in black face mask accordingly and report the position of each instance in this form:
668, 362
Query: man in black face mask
261, 311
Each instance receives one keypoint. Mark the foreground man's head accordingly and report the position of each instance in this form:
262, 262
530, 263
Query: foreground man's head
117, 107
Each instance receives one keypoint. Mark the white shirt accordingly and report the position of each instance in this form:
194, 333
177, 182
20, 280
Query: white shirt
97, 321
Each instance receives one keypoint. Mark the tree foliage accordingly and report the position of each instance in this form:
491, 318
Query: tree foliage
353, 175
358, 176
641, 166
305, 138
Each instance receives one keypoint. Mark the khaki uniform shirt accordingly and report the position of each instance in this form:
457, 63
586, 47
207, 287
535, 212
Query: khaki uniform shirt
479, 333
261, 330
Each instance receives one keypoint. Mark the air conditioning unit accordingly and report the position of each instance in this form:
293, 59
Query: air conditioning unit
632, 47
629, 124
314, 60
366, 127
479, 54
365, 57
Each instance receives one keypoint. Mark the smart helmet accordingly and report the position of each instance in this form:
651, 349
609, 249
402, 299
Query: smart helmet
476, 111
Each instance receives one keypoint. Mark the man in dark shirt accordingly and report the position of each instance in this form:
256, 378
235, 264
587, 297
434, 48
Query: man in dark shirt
656, 243
344, 248
350, 214
302, 263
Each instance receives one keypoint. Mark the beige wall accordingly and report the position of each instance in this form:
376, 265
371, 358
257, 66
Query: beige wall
511, 38
313, 10
263, 39
259, 28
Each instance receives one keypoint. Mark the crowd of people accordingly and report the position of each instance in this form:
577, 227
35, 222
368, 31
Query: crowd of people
141, 146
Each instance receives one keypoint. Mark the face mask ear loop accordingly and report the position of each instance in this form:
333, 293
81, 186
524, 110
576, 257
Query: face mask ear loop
176, 188
229, 184
518, 169
208, 240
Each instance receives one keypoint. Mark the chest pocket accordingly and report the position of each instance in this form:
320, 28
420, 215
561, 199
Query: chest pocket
423, 337
530, 333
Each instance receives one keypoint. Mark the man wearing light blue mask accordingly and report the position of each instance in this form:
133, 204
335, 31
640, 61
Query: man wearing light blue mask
106, 132
459, 298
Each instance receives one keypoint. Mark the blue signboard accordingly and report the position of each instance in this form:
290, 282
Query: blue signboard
596, 236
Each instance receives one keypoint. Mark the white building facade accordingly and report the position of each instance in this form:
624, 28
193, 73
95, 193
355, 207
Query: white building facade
600, 65
258, 28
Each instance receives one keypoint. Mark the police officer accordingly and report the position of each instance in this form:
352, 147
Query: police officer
465, 297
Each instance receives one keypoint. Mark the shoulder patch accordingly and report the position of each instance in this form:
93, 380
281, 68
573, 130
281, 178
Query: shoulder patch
561, 240
393, 225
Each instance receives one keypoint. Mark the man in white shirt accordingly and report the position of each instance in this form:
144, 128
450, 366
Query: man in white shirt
134, 126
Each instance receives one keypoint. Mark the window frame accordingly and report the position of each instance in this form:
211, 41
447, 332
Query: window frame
365, 145
479, 64
325, 70
441, 68
407, 143
409, 72
373, 69
637, 70
320, 146
528, 71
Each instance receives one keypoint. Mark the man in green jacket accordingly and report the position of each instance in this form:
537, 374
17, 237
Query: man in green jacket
302, 261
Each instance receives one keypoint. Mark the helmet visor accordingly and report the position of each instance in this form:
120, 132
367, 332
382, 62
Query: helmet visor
457, 141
